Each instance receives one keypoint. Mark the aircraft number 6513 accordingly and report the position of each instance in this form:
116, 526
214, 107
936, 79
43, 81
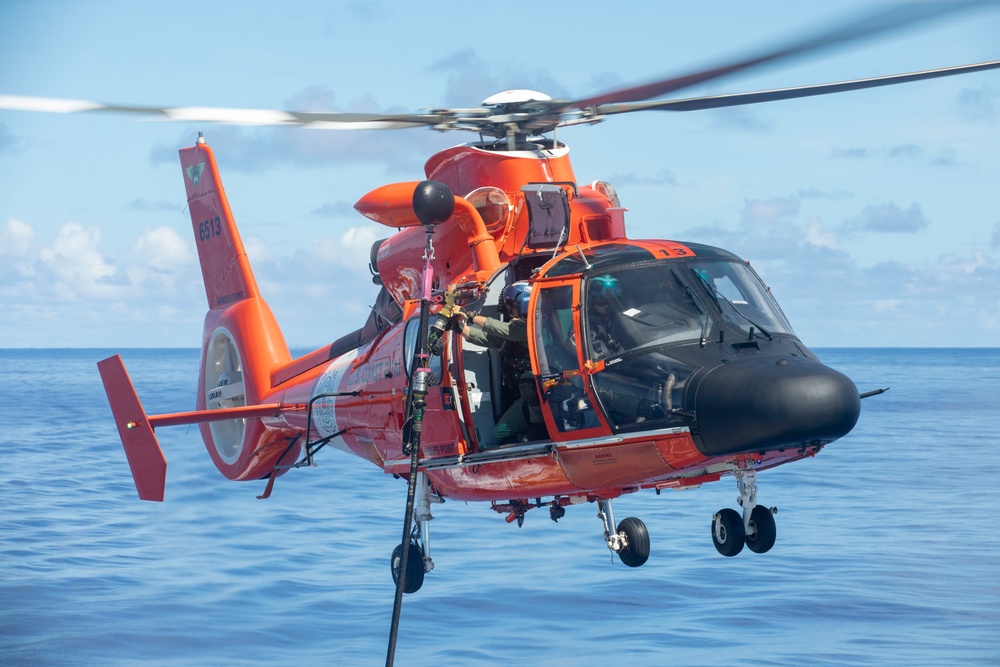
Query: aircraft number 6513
210, 228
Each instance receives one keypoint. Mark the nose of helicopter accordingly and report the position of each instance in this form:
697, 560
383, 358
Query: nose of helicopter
758, 404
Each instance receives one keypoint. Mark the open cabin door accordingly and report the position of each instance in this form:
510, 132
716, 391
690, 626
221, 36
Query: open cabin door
476, 365
554, 332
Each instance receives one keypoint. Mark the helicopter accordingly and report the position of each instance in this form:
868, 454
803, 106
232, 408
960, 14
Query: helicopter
707, 378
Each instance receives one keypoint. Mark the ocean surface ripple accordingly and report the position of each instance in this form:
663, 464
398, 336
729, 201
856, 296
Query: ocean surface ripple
886, 554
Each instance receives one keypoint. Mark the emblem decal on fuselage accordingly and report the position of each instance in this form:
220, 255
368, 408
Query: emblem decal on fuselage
195, 171
325, 408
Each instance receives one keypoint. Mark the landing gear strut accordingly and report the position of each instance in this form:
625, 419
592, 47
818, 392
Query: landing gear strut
755, 528
418, 558
630, 540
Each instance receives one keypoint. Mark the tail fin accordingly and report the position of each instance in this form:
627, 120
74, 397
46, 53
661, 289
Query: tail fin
224, 264
241, 344
145, 458
142, 449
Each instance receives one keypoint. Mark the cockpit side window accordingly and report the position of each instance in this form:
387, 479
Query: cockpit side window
633, 316
637, 307
554, 331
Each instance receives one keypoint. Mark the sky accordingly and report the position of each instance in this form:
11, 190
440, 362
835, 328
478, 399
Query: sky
872, 215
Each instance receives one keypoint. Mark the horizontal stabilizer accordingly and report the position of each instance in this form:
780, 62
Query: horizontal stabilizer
217, 415
145, 458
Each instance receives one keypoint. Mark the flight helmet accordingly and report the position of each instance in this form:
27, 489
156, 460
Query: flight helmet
605, 289
515, 299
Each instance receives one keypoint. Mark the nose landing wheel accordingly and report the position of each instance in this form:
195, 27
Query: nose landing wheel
755, 528
762, 533
728, 533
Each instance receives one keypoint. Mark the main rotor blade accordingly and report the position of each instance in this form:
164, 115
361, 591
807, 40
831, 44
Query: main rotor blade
309, 119
879, 22
739, 99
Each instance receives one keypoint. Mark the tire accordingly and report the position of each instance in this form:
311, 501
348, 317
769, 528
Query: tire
763, 529
414, 567
731, 536
637, 551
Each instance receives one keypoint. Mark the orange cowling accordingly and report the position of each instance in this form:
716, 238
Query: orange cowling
485, 259
465, 168
400, 261
390, 205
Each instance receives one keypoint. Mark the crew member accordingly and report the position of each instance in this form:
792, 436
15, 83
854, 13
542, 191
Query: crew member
522, 421
604, 297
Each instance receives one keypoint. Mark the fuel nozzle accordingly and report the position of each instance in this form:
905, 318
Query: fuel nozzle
446, 319
441, 324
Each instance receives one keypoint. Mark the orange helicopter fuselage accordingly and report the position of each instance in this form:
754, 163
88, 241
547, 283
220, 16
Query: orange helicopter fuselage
356, 398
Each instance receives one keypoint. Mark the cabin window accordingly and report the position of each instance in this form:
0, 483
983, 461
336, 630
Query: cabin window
409, 348
556, 339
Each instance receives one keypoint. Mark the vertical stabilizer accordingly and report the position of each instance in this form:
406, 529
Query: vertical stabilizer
224, 263
241, 342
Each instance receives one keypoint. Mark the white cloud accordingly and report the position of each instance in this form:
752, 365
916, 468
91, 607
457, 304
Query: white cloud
740, 118
152, 290
471, 79
818, 235
67, 291
17, 240
318, 292
980, 104
162, 248
259, 251
888, 218
161, 265
770, 211
886, 305
258, 149
832, 300
77, 267
661, 177
9, 142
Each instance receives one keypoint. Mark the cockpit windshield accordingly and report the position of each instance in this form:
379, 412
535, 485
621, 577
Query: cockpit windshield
639, 318
655, 303
643, 305
741, 297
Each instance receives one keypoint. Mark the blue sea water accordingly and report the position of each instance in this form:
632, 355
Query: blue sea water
888, 551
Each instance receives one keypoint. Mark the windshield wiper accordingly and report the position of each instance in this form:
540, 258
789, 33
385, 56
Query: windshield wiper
706, 321
717, 295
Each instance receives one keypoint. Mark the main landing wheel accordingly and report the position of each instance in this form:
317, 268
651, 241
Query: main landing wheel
636, 549
762, 531
728, 534
414, 578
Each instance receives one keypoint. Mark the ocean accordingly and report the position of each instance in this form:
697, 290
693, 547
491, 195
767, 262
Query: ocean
886, 551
